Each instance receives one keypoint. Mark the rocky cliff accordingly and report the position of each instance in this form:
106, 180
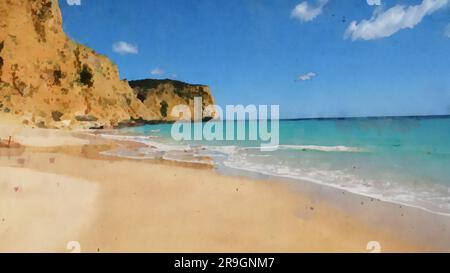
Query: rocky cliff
165, 94
48, 80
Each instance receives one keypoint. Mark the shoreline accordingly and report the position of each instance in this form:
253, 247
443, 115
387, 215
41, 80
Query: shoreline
300, 217
357, 204
299, 185
257, 173
336, 188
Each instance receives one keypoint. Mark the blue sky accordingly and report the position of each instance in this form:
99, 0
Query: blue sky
315, 58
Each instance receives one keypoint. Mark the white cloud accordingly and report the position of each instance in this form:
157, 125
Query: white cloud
305, 12
374, 2
125, 48
73, 2
386, 23
157, 72
306, 77
447, 31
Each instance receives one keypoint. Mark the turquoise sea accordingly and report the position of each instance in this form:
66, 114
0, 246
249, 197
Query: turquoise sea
403, 159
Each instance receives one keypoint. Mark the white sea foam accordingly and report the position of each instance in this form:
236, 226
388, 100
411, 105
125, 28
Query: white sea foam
147, 140
140, 139
227, 150
322, 148
314, 148
188, 159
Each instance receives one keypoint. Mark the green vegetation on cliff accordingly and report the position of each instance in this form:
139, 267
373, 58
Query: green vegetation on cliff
184, 90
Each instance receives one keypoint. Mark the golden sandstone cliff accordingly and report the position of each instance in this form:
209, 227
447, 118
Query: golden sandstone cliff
165, 94
50, 81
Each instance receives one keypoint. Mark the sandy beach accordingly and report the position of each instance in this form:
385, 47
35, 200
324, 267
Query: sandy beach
300, 126
50, 196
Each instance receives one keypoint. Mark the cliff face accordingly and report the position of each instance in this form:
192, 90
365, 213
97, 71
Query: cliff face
163, 95
47, 80
51, 81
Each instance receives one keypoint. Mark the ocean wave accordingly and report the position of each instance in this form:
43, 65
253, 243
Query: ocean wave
139, 139
339, 148
227, 150
322, 148
191, 158
148, 140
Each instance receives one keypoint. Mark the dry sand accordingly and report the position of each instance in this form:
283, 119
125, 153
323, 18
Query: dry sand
52, 196
29, 136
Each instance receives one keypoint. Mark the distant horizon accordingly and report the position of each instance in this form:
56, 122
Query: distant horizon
371, 117
344, 118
